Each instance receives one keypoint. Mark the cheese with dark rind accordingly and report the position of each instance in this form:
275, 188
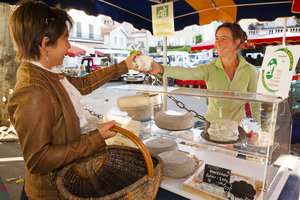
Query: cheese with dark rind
159, 145
177, 164
174, 120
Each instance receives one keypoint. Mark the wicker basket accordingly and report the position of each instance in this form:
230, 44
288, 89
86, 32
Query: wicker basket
115, 172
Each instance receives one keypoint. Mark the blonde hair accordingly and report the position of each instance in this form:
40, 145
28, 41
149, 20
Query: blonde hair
32, 21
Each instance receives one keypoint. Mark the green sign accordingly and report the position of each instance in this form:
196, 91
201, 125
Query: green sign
162, 12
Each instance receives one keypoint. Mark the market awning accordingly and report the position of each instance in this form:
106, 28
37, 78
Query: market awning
186, 12
275, 39
88, 47
75, 51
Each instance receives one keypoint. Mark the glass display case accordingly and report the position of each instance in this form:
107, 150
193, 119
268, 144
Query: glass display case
263, 136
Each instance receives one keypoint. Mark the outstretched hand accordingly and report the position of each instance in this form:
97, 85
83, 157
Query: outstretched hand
156, 68
129, 60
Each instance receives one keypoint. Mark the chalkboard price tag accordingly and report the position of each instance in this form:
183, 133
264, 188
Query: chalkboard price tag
216, 175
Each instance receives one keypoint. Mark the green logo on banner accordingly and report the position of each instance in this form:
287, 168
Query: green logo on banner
162, 12
271, 75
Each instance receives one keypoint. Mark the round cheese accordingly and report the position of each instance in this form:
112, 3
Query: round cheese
174, 120
160, 145
132, 101
223, 130
177, 164
137, 106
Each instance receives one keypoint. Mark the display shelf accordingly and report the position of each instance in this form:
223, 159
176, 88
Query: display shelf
249, 156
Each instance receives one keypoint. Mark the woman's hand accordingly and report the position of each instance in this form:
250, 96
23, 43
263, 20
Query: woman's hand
156, 68
129, 60
104, 129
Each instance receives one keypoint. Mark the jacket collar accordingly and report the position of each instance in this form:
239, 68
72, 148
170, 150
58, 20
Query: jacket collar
242, 62
44, 70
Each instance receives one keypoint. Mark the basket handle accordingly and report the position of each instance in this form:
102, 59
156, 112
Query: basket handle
140, 145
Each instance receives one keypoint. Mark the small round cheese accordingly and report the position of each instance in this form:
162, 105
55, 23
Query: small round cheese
160, 145
174, 120
177, 164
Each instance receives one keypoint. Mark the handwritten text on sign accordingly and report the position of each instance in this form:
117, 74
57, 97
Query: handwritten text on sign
216, 175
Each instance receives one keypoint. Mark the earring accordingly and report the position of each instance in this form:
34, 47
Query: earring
47, 59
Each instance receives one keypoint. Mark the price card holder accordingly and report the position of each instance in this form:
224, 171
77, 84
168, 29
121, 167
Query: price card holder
216, 175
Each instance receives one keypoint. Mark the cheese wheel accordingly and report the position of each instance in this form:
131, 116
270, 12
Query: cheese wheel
174, 120
160, 145
177, 164
132, 101
137, 106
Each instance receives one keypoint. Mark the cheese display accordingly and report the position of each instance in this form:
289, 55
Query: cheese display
177, 164
223, 130
137, 106
160, 145
174, 120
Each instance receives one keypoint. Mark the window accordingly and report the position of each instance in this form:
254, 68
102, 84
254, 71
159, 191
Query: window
91, 31
78, 32
115, 40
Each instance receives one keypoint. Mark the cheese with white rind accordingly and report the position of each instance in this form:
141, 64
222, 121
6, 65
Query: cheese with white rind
177, 164
174, 120
137, 106
223, 130
131, 101
159, 145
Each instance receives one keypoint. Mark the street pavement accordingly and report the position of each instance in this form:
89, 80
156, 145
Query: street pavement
11, 166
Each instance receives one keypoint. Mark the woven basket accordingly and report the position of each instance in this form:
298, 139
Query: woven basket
115, 172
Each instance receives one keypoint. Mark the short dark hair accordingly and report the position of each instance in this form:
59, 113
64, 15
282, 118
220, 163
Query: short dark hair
236, 31
32, 21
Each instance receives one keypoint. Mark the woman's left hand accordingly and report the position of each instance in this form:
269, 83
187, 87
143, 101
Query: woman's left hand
104, 129
129, 60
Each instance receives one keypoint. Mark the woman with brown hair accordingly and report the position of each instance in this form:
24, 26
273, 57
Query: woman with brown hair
45, 106
230, 71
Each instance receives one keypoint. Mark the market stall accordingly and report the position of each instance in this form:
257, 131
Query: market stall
251, 147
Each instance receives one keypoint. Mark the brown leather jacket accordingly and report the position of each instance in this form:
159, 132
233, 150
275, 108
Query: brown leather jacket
47, 125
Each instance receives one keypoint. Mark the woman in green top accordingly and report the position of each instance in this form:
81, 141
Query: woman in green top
230, 71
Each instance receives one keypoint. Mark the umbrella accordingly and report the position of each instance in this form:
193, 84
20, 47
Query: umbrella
275, 39
87, 48
186, 12
75, 51
207, 45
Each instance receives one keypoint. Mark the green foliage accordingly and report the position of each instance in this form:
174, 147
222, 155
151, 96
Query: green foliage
171, 48
198, 38
132, 51
152, 49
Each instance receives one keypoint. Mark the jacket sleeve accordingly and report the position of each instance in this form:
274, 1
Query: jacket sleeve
184, 73
32, 114
88, 83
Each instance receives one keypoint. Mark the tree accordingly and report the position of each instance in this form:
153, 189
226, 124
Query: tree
198, 38
8, 65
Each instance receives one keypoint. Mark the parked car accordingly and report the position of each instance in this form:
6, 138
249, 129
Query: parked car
201, 61
92, 64
133, 77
